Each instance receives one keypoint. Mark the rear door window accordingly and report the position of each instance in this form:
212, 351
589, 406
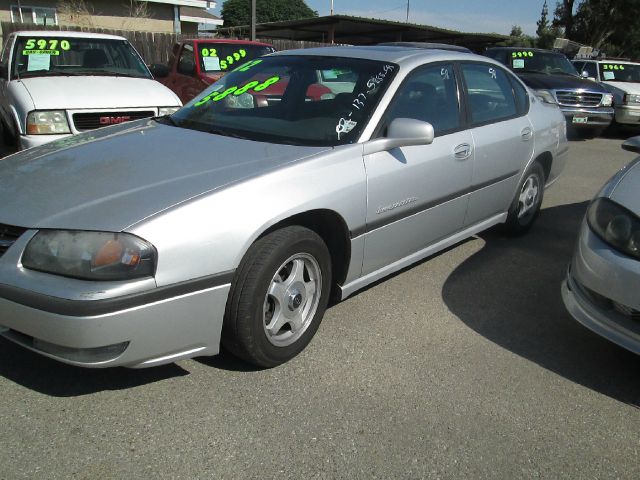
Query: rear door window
489, 93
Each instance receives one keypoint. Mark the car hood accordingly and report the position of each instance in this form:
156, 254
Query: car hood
626, 87
557, 82
91, 92
114, 177
627, 191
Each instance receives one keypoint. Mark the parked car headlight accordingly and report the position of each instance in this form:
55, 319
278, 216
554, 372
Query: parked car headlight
546, 96
162, 111
631, 99
48, 122
616, 225
90, 255
607, 100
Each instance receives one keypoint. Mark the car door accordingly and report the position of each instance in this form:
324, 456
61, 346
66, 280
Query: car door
502, 137
418, 195
186, 83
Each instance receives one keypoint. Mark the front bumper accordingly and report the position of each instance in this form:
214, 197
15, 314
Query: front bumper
595, 117
628, 114
600, 281
145, 335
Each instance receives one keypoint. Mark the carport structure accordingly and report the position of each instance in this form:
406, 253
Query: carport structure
346, 29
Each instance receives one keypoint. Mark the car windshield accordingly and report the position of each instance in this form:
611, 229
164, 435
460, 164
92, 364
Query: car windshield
620, 72
301, 100
36, 56
220, 57
528, 61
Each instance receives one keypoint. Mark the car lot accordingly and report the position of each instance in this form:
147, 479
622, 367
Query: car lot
466, 365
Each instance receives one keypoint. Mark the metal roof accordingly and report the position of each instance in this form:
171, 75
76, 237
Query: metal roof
345, 29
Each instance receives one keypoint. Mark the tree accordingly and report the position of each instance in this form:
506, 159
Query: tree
238, 12
76, 12
563, 17
546, 33
518, 38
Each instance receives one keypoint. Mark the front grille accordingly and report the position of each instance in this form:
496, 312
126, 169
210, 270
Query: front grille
93, 120
572, 98
8, 236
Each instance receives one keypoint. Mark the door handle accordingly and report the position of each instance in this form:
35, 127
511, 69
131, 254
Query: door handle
462, 151
526, 134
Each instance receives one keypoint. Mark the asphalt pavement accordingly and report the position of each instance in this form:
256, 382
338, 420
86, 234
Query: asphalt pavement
463, 366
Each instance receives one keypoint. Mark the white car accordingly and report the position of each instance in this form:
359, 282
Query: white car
622, 79
55, 84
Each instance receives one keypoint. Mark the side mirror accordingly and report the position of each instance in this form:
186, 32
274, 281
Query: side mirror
402, 132
159, 71
585, 74
632, 144
187, 67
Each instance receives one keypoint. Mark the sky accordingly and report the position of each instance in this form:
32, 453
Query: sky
464, 15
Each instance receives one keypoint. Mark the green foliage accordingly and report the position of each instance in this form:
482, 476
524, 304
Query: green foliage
611, 26
519, 39
546, 33
238, 12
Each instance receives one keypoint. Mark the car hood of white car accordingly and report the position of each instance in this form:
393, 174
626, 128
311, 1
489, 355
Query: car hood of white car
114, 177
626, 191
627, 87
97, 92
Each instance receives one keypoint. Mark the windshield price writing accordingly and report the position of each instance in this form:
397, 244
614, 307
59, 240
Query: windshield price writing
521, 54
254, 85
229, 60
45, 46
613, 67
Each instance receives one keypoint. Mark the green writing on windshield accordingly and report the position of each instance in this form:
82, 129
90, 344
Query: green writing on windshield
521, 54
254, 85
225, 62
612, 67
48, 46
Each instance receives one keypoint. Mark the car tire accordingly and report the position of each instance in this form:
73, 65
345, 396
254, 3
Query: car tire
526, 204
278, 297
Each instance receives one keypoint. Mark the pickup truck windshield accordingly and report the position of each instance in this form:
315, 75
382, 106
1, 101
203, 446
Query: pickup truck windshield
291, 99
36, 56
620, 72
527, 61
220, 57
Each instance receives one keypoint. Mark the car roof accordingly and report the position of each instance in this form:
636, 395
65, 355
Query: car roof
396, 54
227, 40
68, 34
439, 46
528, 49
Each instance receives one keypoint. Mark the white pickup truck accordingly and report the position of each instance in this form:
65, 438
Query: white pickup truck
54, 84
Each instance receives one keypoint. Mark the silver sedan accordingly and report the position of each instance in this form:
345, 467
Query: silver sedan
296, 176
601, 288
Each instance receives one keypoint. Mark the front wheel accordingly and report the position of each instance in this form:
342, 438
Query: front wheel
526, 204
278, 297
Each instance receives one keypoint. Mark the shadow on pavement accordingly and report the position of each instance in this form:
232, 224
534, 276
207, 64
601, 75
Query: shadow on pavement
56, 379
509, 292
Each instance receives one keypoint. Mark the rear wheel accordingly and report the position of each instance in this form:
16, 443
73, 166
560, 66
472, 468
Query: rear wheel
278, 297
526, 204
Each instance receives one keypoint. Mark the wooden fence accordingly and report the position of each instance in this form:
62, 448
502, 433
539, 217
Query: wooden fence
154, 47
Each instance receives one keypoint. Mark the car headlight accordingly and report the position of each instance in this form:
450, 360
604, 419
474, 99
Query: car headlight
162, 111
615, 225
631, 99
546, 96
90, 255
49, 122
607, 100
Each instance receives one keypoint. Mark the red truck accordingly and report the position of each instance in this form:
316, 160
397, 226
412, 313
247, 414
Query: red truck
198, 63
